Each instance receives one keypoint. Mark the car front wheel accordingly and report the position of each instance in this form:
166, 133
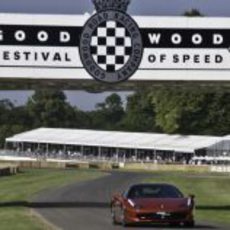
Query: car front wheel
113, 215
123, 221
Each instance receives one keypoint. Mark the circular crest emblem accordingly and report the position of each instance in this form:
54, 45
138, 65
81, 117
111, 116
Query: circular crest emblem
111, 46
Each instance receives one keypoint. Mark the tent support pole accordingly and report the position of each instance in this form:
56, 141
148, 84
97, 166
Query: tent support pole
99, 152
136, 154
47, 149
5, 146
117, 154
155, 155
22, 144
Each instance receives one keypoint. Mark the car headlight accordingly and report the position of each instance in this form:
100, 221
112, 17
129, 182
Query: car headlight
133, 205
189, 202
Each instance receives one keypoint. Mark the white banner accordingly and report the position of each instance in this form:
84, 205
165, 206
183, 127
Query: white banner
174, 48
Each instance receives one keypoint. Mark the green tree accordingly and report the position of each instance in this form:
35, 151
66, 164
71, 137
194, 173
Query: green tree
218, 114
82, 119
7, 130
193, 13
203, 111
166, 108
108, 114
5, 108
140, 113
49, 108
12, 120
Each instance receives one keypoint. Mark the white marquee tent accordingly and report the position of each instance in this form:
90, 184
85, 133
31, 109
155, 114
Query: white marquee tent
114, 139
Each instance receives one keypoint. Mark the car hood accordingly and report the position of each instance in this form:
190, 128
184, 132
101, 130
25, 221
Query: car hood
161, 204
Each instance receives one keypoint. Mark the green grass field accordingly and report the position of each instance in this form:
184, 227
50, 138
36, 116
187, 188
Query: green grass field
212, 192
27, 184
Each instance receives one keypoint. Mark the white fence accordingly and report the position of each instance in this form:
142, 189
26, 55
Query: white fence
222, 169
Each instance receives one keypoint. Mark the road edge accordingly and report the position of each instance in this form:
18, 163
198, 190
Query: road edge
47, 224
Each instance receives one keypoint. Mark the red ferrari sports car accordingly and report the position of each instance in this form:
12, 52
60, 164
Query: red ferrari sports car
152, 204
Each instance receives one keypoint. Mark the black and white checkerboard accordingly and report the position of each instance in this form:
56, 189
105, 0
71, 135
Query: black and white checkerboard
111, 46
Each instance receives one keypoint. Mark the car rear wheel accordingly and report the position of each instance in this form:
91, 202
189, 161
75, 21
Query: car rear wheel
175, 224
189, 224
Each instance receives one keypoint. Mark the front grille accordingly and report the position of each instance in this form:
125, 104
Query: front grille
164, 216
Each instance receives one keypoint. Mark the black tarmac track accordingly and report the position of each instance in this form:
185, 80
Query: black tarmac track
85, 205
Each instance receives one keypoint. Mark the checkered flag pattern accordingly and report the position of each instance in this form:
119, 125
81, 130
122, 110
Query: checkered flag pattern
111, 46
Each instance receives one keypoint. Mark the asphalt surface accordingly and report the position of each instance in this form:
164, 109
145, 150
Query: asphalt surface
85, 206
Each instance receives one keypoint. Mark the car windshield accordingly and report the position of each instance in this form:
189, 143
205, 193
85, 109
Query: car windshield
154, 191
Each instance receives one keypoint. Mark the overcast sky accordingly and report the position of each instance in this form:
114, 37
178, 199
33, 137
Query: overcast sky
138, 7
83, 100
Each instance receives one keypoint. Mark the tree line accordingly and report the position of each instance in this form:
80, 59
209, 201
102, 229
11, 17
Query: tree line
166, 109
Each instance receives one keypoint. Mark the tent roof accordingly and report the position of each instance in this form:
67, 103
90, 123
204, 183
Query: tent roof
226, 138
114, 139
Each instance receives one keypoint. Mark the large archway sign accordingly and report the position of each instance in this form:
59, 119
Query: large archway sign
112, 46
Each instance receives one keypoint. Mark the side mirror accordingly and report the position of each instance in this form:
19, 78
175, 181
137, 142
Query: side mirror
191, 201
116, 194
192, 196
